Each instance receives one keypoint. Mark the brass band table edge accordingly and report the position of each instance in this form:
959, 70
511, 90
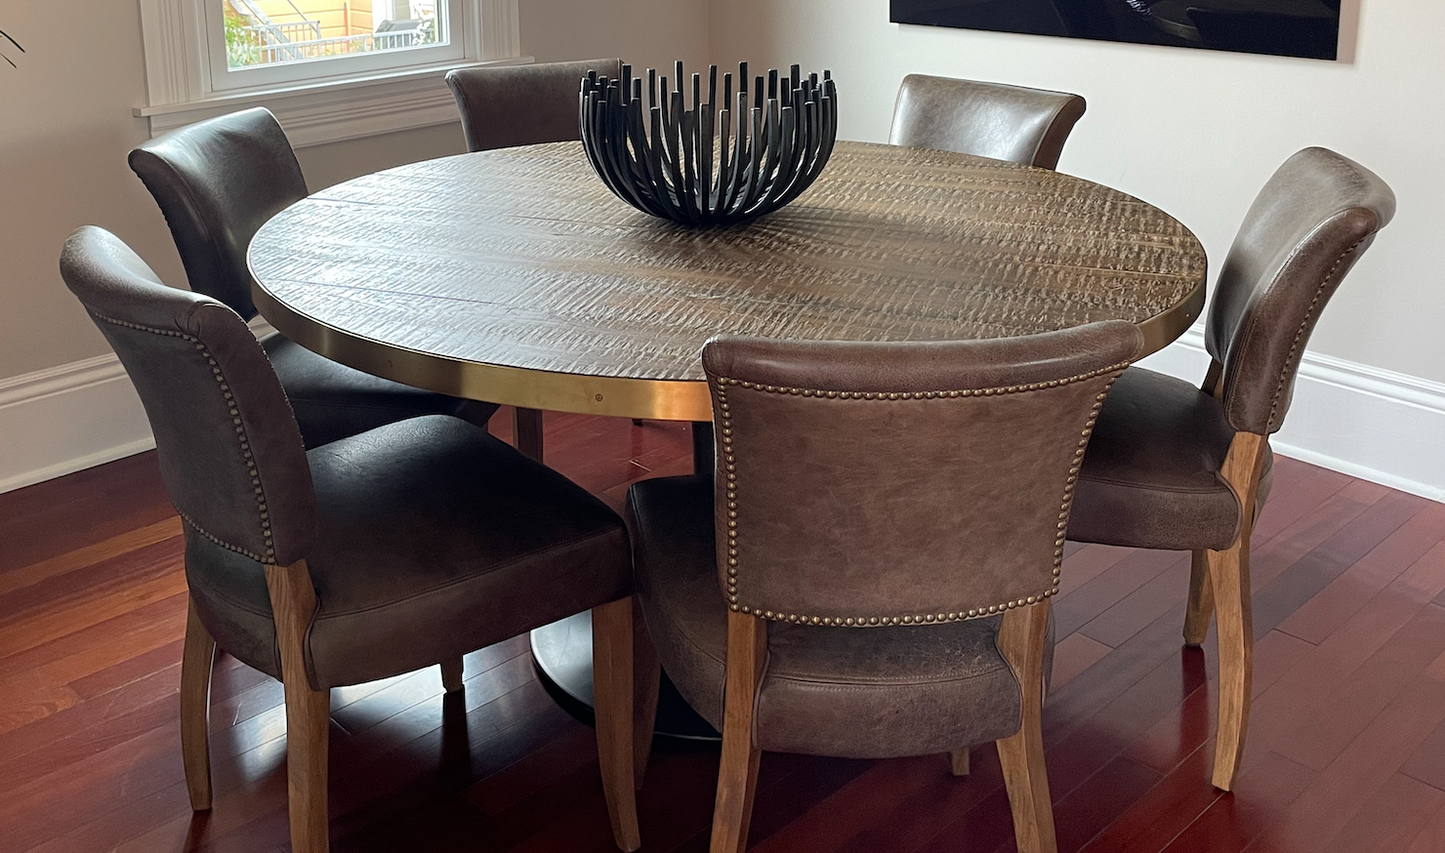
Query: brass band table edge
624, 397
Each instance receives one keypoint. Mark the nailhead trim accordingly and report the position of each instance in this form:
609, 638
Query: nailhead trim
241, 438
720, 386
1295, 351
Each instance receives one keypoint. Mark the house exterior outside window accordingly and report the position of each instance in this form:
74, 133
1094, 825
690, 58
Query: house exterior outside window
329, 69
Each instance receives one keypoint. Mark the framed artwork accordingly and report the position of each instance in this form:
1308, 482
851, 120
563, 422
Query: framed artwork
1304, 28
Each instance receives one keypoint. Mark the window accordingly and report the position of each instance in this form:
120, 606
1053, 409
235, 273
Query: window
329, 69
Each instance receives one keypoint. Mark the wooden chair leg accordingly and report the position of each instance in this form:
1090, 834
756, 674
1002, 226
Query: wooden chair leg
308, 710
647, 677
1229, 571
196, 662
1201, 601
527, 432
1234, 623
612, 689
738, 772
452, 675
958, 762
1021, 640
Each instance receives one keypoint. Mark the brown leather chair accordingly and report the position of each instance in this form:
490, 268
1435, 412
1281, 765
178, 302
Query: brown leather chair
1027, 126
1180, 467
507, 105
395, 549
919, 491
217, 182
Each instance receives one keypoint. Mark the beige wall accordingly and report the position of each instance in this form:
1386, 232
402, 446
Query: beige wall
66, 125
1195, 132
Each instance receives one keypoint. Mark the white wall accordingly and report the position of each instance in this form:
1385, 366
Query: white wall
66, 124
1194, 132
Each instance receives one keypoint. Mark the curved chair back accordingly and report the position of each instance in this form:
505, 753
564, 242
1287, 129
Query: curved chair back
1305, 230
506, 105
1012, 123
230, 451
882, 484
217, 182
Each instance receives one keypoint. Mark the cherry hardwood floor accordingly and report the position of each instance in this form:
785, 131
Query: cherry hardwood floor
1346, 749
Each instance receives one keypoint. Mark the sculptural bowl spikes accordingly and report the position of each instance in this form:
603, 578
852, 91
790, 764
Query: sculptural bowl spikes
711, 164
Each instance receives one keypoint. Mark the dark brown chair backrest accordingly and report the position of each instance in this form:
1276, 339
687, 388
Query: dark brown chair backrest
506, 105
871, 484
1306, 228
217, 182
230, 451
1027, 126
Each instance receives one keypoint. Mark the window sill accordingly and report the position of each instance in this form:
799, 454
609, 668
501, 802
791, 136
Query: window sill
334, 110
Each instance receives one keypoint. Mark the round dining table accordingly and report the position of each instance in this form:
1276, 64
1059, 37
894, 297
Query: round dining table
514, 276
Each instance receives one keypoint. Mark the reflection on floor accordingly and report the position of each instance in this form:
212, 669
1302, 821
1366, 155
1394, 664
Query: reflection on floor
1346, 749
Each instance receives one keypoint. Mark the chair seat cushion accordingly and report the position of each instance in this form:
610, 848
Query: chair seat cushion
333, 401
1150, 477
434, 539
847, 692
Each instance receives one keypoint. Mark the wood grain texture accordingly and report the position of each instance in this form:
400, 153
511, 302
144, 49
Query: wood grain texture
440, 273
1021, 640
737, 780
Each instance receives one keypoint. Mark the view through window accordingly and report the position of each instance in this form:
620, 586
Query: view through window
262, 33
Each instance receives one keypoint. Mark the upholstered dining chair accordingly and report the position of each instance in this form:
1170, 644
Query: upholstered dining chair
1012, 123
508, 105
384, 552
868, 573
1177, 466
217, 182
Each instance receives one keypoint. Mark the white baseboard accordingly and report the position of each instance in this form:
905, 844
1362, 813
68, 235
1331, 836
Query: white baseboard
1374, 424
63, 419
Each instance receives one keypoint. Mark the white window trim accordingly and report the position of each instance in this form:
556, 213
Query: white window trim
178, 88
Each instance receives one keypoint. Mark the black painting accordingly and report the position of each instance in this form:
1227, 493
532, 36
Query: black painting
1306, 28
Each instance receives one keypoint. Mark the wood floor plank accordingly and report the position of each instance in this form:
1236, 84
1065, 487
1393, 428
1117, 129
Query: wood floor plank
1339, 719
1262, 794
1340, 791
1074, 655
87, 556
1135, 611
1391, 819
1074, 610
1327, 610
1431, 837
78, 510
1179, 734
1345, 749
1330, 666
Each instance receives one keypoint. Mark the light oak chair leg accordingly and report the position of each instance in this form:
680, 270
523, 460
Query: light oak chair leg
647, 678
527, 432
308, 710
612, 689
1229, 576
1201, 601
1021, 640
1230, 573
452, 675
738, 772
958, 762
196, 662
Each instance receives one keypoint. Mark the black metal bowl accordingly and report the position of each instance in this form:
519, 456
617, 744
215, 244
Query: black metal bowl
709, 166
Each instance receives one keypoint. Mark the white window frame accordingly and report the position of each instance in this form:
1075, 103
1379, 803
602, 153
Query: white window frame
343, 101
224, 78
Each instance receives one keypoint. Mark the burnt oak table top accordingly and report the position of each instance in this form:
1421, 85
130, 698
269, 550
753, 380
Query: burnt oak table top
514, 276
